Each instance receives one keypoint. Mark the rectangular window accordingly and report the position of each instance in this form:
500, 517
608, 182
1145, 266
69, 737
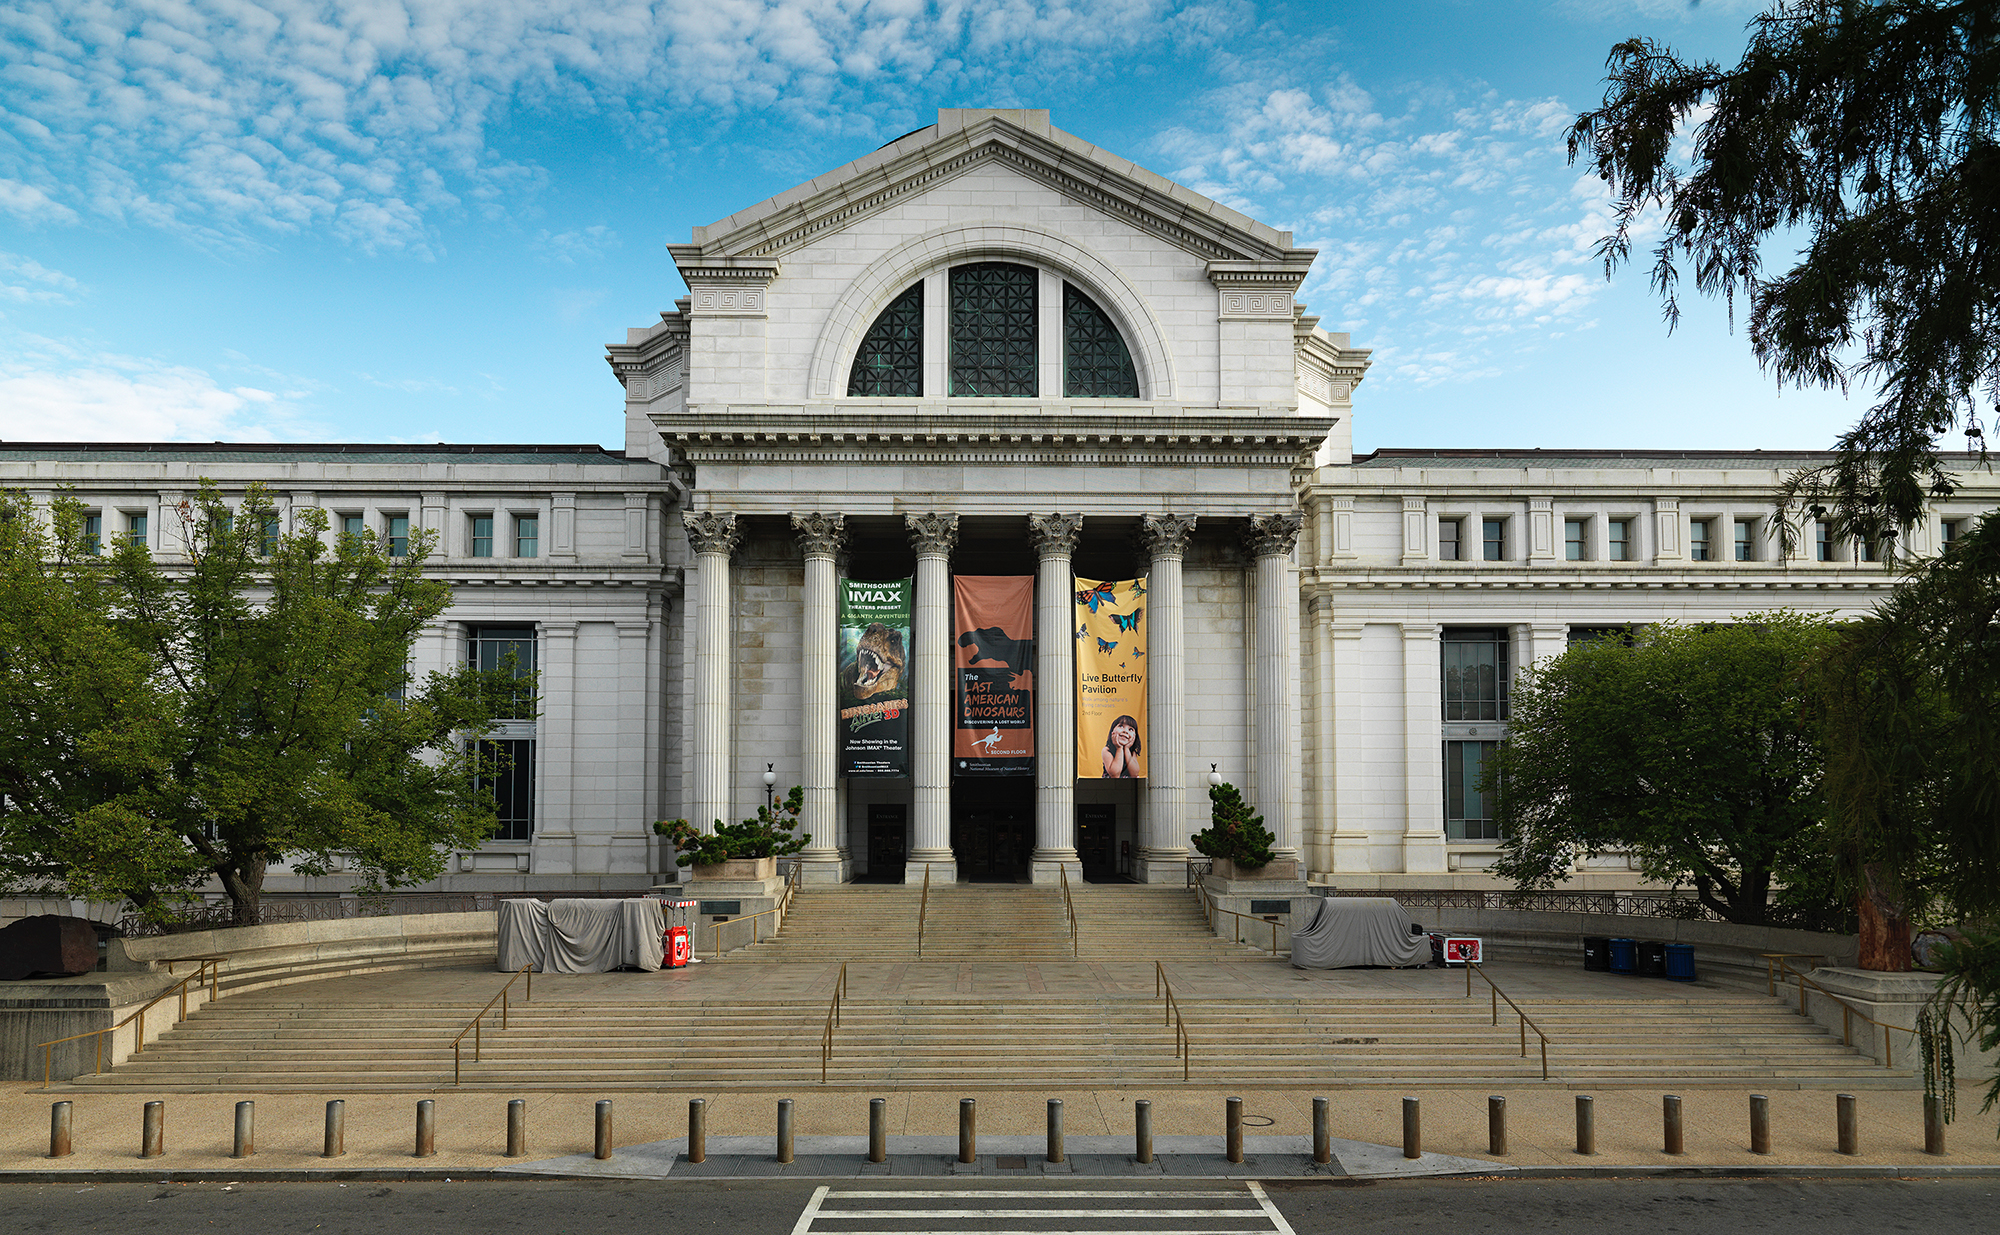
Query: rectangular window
135, 530
1447, 540
512, 787
1698, 549
1493, 536
509, 649
1575, 539
353, 525
527, 536
93, 534
1468, 813
398, 529
482, 536
1588, 634
1949, 531
269, 544
1864, 550
1618, 542
1822, 541
1475, 674
1745, 544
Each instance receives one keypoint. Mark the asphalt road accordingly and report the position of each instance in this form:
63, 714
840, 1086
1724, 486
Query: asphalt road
852, 1207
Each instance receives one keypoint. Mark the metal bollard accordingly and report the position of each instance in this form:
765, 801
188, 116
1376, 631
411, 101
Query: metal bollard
1586, 1124
1142, 1130
1322, 1134
1413, 1129
153, 1130
427, 1135
1496, 1126
697, 1129
517, 1127
1933, 1124
1055, 1130
246, 1130
1232, 1129
1847, 1123
1760, 1124
878, 1130
603, 1129
968, 1130
59, 1126
1676, 1129
784, 1129
336, 1130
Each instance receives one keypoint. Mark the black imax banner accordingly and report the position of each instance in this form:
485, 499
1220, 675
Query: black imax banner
874, 688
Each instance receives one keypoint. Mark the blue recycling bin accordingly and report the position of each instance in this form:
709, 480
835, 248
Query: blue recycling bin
1624, 956
1680, 962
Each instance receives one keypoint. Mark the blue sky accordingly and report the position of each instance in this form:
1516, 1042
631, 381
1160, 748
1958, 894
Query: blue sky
421, 220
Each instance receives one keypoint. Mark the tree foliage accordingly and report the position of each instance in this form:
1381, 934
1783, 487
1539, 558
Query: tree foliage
1867, 132
772, 833
1692, 748
1233, 831
162, 726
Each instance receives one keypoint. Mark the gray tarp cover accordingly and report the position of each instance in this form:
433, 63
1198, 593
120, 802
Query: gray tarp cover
1358, 930
581, 936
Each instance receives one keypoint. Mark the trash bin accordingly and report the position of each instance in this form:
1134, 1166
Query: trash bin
1624, 956
1597, 953
1437, 947
1680, 962
1652, 959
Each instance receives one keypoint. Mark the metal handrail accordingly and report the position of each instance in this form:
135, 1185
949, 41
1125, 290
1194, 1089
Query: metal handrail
1062, 868
1183, 1045
1526, 1024
1210, 908
1774, 961
794, 879
832, 1022
473, 1028
209, 965
923, 907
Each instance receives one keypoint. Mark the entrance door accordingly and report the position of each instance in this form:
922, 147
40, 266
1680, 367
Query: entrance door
888, 842
1096, 838
993, 828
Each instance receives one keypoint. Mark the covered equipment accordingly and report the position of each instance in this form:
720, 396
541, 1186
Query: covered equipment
581, 936
1358, 930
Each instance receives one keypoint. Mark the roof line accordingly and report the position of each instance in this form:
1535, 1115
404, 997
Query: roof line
449, 448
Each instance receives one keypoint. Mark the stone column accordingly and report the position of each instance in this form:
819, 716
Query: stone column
1163, 853
820, 537
1270, 539
1347, 701
1423, 750
933, 536
713, 536
1054, 538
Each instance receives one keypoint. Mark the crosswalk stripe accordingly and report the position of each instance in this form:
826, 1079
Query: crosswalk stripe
1254, 1215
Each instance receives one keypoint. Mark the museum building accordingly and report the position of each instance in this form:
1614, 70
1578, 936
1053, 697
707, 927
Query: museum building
990, 351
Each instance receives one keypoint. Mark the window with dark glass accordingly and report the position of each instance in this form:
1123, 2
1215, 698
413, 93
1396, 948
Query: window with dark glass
135, 529
1618, 544
482, 536
1698, 540
1096, 363
1468, 813
993, 352
1576, 541
527, 535
1493, 534
353, 525
1952, 529
890, 363
510, 650
1745, 544
1822, 541
512, 785
1590, 634
93, 534
269, 544
1475, 674
1447, 540
398, 527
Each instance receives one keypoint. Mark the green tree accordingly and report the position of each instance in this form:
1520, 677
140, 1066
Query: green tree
1233, 831
1865, 132
162, 726
1692, 748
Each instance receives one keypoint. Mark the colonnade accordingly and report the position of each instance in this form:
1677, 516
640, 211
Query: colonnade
1169, 811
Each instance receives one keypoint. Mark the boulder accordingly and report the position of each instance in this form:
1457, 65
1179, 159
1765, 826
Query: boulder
48, 945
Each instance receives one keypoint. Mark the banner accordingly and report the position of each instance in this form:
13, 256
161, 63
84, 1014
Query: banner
874, 687
993, 659
1110, 679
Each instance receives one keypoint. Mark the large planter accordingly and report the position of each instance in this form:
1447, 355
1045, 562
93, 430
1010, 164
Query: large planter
737, 869
1281, 868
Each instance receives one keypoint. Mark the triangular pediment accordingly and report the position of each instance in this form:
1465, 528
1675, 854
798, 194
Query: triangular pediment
962, 140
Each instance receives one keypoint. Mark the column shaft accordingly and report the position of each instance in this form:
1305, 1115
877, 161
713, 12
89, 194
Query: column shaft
820, 536
1163, 856
713, 536
1054, 537
1270, 539
933, 537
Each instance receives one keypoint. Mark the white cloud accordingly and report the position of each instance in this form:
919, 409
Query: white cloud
582, 244
31, 204
54, 391
23, 280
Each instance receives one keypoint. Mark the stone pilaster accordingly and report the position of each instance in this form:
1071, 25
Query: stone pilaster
1054, 537
713, 536
1423, 751
933, 536
821, 538
1270, 540
1163, 852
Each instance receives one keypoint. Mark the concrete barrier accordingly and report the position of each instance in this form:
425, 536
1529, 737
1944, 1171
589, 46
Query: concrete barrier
1724, 952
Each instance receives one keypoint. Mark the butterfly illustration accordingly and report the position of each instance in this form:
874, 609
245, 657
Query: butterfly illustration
1128, 621
1105, 645
1138, 652
1122, 665
1101, 594
1138, 587
1080, 632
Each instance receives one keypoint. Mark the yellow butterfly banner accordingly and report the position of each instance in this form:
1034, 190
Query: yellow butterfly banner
1110, 679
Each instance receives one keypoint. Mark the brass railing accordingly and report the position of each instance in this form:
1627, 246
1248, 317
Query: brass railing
473, 1028
1062, 868
1775, 961
794, 879
1210, 909
1526, 1024
1183, 1045
832, 1022
923, 907
206, 967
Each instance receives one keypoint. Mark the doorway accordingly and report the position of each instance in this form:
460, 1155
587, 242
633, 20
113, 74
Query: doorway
993, 828
1096, 842
888, 843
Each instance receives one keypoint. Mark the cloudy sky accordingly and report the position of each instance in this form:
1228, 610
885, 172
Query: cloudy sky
421, 220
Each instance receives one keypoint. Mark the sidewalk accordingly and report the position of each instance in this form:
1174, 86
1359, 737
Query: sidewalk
831, 1129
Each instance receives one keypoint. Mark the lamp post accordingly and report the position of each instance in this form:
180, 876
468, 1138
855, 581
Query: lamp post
1214, 777
770, 785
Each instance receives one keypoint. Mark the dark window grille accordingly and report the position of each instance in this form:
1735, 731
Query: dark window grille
890, 363
993, 351
1468, 813
1475, 674
512, 649
1096, 363
512, 786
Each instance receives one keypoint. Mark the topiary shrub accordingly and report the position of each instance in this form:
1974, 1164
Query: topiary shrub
1233, 832
772, 834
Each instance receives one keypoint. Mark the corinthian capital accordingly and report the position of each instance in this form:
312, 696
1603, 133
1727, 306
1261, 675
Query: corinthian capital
711, 531
1272, 535
1166, 535
820, 535
932, 532
1054, 535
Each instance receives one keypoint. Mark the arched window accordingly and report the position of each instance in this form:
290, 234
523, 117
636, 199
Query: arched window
890, 363
993, 331
1096, 364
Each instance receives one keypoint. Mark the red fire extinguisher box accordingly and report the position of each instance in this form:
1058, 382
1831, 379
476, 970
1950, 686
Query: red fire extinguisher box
680, 945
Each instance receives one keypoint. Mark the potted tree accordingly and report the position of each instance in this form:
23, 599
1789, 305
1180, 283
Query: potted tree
1235, 838
740, 851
